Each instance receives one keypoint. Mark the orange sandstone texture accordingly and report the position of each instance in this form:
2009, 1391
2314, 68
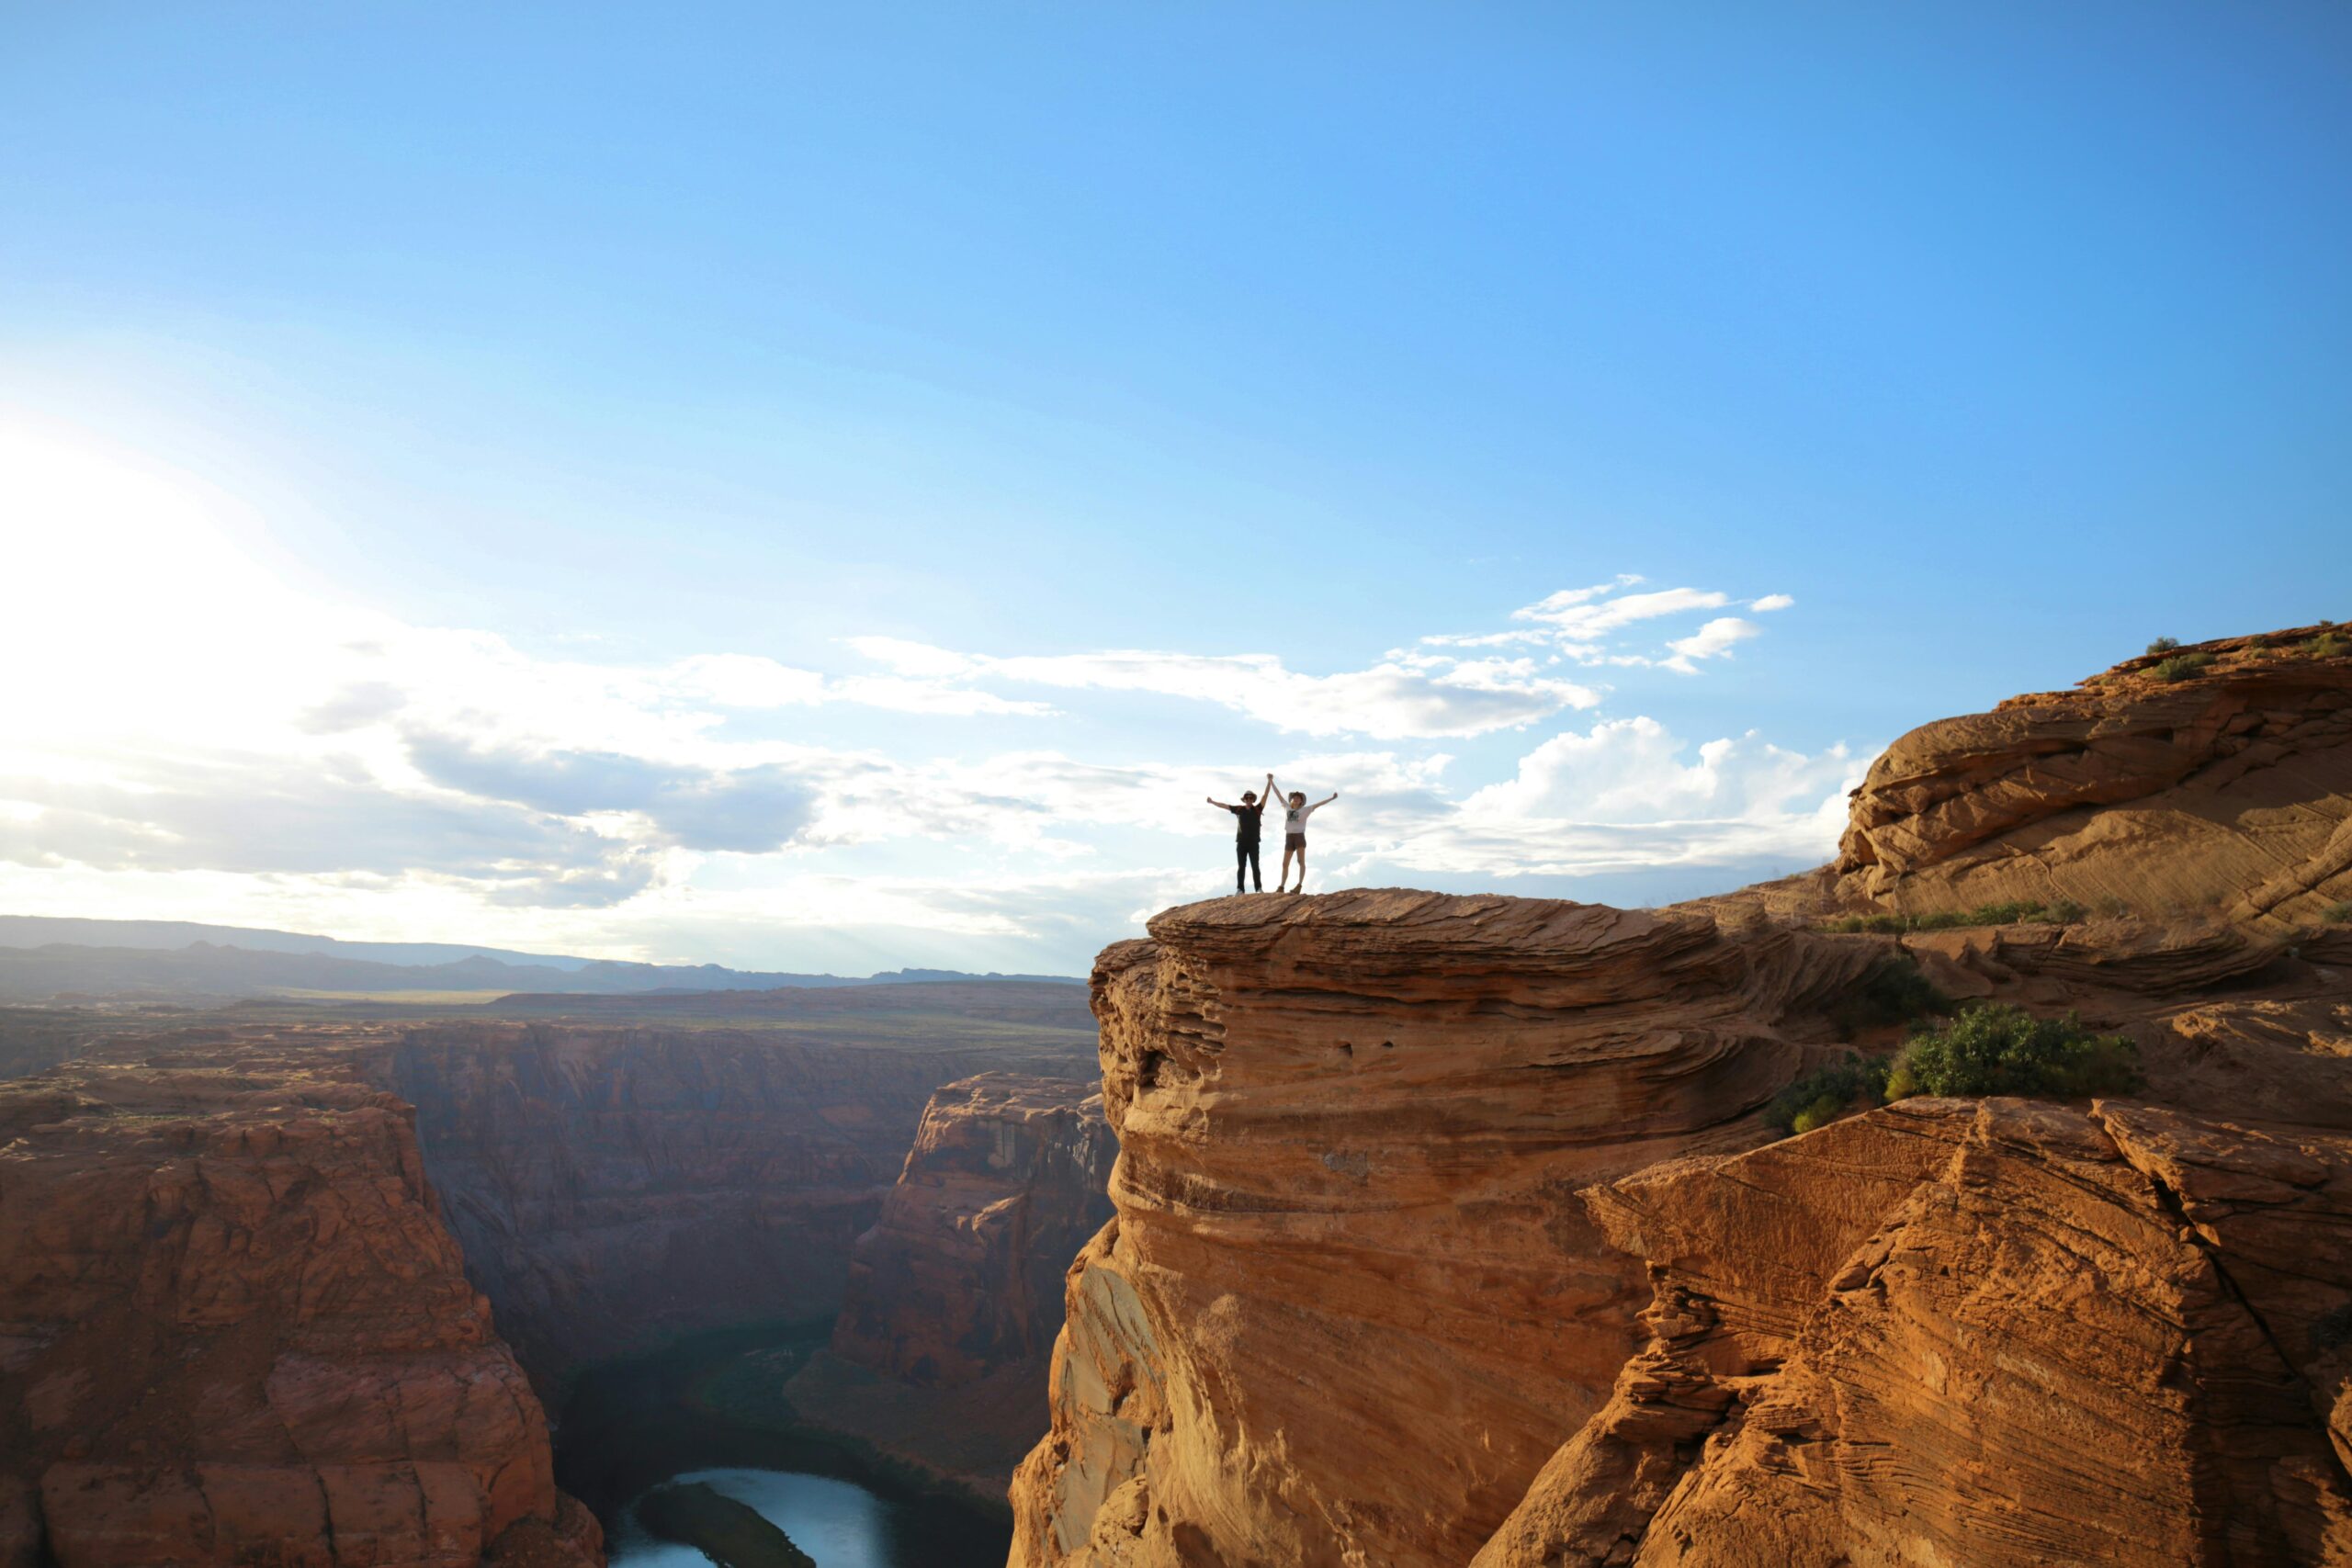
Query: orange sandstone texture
1350, 1303
2229, 789
233, 1329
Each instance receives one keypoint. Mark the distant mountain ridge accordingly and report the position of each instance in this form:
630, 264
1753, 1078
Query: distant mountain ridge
43, 957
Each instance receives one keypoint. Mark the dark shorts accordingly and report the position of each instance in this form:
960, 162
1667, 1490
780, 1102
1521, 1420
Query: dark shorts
1294, 842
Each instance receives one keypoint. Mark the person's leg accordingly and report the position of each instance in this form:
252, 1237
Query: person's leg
1257, 874
1241, 863
1302, 866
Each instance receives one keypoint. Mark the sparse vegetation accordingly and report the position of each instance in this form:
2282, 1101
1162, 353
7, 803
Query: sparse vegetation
2333, 1327
2015, 911
1892, 992
2181, 666
2339, 914
1828, 1092
2163, 645
1987, 1048
1995, 1048
2327, 645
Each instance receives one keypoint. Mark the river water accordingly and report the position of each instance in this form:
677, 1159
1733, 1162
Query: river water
693, 1413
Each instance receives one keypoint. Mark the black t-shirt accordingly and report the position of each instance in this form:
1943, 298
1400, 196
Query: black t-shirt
1245, 822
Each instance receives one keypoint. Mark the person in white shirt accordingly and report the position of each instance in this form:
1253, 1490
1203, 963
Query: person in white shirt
1294, 815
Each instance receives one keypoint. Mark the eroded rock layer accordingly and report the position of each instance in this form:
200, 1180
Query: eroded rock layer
1350, 1303
940, 1354
963, 1272
1997, 1332
2228, 787
234, 1330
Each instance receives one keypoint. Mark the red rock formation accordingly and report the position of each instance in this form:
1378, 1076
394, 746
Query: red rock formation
2231, 788
234, 1330
616, 1187
1351, 1304
963, 1272
1973, 1333
940, 1354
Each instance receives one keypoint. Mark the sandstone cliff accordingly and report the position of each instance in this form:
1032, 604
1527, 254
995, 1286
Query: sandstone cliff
1445, 1229
613, 1188
954, 1297
963, 1272
2227, 788
1351, 1302
233, 1329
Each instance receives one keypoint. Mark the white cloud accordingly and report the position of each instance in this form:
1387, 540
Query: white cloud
1771, 602
1712, 640
1400, 696
193, 733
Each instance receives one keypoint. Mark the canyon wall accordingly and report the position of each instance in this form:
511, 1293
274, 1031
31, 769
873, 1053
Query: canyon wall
961, 1274
940, 1355
234, 1330
616, 1187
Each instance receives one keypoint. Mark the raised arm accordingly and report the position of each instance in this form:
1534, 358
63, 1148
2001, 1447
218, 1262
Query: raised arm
1218, 804
1328, 798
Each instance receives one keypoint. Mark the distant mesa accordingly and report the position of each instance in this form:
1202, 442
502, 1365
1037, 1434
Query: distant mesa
50, 959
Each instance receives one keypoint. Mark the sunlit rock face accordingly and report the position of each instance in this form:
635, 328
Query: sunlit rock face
237, 1331
963, 1272
1351, 1302
1445, 1232
2229, 788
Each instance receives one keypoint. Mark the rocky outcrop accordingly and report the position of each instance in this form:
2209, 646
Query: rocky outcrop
939, 1356
615, 1187
1970, 1333
233, 1329
1444, 1232
1350, 1303
963, 1272
2229, 788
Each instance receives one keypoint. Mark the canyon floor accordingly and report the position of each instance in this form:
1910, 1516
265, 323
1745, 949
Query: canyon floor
1363, 1229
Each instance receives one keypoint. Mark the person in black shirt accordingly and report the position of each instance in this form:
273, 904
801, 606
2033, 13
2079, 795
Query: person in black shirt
1245, 832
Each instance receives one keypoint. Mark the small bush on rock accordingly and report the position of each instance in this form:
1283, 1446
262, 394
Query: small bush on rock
2327, 645
2181, 666
1828, 1092
1995, 1048
1893, 991
1988, 1048
2163, 645
2015, 911
2339, 915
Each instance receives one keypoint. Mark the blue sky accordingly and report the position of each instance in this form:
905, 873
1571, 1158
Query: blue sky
696, 490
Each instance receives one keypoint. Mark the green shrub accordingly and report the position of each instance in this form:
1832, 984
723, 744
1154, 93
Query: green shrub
1995, 1048
1892, 991
1826, 1093
2181, 666
2015, 911
2163, 645
2339, 915
2333, 1328
2327, 645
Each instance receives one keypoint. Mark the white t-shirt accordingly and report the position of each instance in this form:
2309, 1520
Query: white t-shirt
1294, 820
